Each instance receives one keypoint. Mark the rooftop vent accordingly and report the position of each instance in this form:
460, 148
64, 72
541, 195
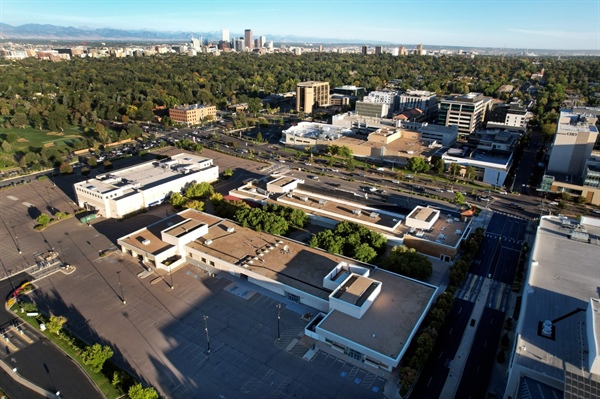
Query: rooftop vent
230, 229
357, 212
208, 241
146, 242
374, 215
547, 328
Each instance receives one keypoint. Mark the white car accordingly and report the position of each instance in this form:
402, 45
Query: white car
308, 164
502, 192
553, 203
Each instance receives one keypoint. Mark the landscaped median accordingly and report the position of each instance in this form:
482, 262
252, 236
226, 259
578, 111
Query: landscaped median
93, 359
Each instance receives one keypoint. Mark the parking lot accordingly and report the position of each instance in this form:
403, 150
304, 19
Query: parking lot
160, 333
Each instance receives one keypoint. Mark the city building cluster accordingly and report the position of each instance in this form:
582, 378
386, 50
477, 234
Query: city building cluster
198, 45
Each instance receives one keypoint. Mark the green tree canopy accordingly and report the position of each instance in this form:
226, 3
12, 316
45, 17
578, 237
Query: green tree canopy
408, 262
55, 323
199, 190
417, 164
96, 355
137, 391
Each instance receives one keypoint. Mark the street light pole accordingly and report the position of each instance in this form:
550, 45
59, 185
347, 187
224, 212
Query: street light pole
16, 239
206, 330
278, 321
171, 276
121, 288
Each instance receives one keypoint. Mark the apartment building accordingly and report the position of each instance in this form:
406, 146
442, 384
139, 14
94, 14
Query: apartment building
310, 95
465, 111
192, 114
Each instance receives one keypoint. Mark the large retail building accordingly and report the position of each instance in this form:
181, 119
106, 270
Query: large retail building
362, 311
118, 193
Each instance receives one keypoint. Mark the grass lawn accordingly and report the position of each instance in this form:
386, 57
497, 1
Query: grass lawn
101, 381
30, 137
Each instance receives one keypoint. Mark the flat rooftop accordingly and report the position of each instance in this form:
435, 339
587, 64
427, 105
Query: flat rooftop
401, 148
374, 329
423, 214
289, 262
319, 204
564, 279
447, 230
316, 130
146, 175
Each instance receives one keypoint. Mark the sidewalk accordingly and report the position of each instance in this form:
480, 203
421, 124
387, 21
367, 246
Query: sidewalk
13, 373
458, 363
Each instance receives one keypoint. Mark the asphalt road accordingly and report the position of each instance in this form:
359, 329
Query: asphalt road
476, 376
499, 258
15, 390
435, 371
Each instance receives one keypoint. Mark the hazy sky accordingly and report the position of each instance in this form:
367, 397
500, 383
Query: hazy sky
527, 24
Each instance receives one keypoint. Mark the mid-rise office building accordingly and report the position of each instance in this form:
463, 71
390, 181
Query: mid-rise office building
192, 114
466, 111
419, 49
263, 41
365, 50
248, 43
238, 44
378, 104
225, 35
311, 95
378, 50
426, 101
511, 116
574, 141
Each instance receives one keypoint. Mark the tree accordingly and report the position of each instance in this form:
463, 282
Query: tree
95, 356
66, 168
408, 262
259, 137
58, 117
459, 198
177, 200
12, 137
345, 152
417, 164
137, 391
254, 106
227, 173
55, 323
470, 173
101, 132
199, 190
43, 220
19, 120
6, 147
439, 166
194, 204
454, 169
92, 161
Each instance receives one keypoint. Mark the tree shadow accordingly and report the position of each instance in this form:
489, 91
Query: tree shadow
33, 212
50, 302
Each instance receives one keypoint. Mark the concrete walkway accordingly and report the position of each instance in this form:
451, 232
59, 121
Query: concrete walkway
462, 354
13, 373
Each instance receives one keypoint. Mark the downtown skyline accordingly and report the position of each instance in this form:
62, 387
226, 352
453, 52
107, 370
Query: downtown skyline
525, 24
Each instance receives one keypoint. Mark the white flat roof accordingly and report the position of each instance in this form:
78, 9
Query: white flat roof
563, 279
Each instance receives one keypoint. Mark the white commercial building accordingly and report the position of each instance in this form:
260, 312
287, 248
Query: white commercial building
118, 193
426, 101
364, 312
490, 168
574, 140
312, 133
557, 339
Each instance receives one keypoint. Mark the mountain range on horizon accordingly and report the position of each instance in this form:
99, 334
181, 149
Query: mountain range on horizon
54, 32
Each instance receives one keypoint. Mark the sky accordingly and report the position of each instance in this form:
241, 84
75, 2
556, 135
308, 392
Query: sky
525, 24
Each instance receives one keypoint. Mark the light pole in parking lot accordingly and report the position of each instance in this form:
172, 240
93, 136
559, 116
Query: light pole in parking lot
16, 239
121, 288
278, 321
206, 330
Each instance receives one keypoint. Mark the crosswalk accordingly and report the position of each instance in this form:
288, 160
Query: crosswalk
498, 295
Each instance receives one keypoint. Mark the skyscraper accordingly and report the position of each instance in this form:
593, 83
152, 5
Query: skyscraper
248, 38
419, 49
365, 50
378, 50
225, 35
263, 41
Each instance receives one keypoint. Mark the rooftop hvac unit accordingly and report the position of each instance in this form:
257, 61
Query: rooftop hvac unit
304, 199
230, 229
357, 212
208, 241
146, 242
374, 215
322, 202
